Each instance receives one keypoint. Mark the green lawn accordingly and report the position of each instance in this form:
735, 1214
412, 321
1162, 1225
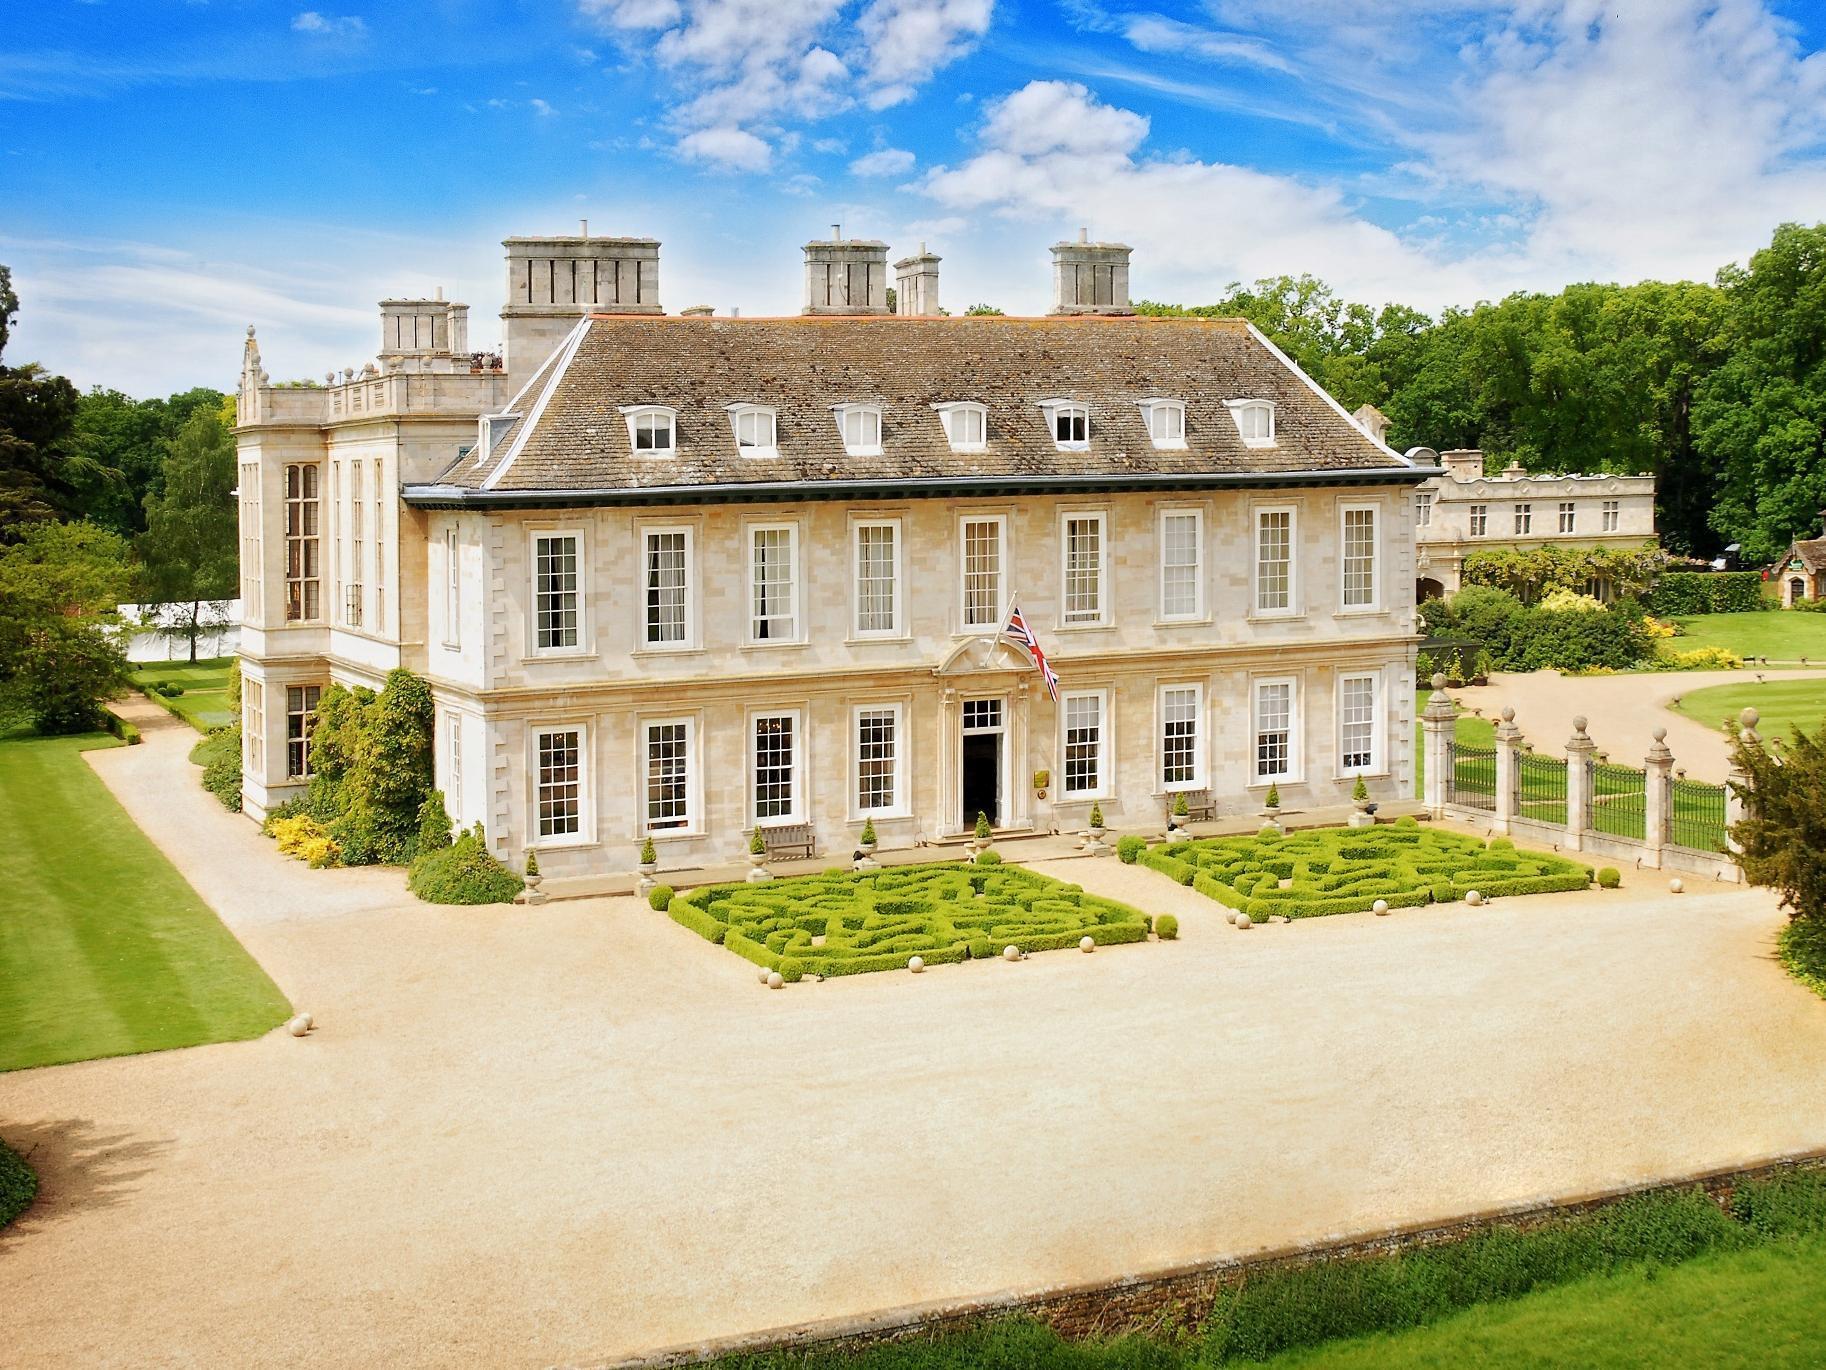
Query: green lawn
105, 950
1782, 635
1783, 704
1740, 1308
204, 703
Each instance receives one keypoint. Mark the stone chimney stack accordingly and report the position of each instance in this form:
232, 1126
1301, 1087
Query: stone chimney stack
423, 328
553, 282
846, 275
1463, 463
916, 284
1090, 278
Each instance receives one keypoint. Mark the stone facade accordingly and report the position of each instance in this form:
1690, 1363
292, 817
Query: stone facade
562, 726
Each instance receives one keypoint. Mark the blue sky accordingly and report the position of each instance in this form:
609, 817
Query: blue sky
175, 171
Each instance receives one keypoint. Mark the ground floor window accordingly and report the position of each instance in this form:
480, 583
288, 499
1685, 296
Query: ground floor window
560, 794
1274, 706
1357, 723
1179, 713
668, 766
878, 759
253, 729
1085, 736
775, 760
300, 719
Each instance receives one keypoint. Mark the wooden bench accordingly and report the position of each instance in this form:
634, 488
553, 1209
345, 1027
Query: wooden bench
789, 840
1199, 804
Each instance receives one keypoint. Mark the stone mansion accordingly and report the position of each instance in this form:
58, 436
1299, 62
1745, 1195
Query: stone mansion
685, 575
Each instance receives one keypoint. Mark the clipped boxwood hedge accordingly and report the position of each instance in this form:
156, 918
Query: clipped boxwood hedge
1345, 870
18, 1184
875, 920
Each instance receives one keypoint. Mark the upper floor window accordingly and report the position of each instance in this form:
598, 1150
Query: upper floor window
666, 582
1274, 561
773, 579
966, 426
1524, 519
1480, 520
1612, 512
556, 599
1423, 508
1082, 535
302, 578
652, 430
982, 540
756, 432
1254, 420
877, 578
1358, 538
1181, 569
1070, 424
453, 587
1166, 421
860, 425
1569, 514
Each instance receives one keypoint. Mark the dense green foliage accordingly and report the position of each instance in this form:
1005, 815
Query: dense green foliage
220, 756
1529, 573
371, 769
38, 470
18, 1184
1783, 833
1521, 637
1345, 870
1129, 846
462, 872
107, 949
59, 658
876, 920
189, 553
659, 898
1608, 1262
1166, 927
1708, 592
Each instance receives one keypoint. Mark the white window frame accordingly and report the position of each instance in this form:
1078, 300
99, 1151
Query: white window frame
1374, 603
795, 594
1057, 409
580, 646
964, 521
1292, 608
1423, 508
1100, 616
1291, 774
453, 775
636, 413
1479, 521
897, 806
688, 643
1524, 519
687, 826
861, 412
1199, 779
1568, 516
307, 724
1251, 408
1612, 516
253, 728
796, 771
1376, 764
453, 587
950, 413
303, 537
584, 834
1104, 750
897, 626
1197, 515
759, 451
1169, 414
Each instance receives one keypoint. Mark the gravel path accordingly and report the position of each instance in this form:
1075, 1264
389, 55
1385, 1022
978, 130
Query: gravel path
1622, 712
535, 1135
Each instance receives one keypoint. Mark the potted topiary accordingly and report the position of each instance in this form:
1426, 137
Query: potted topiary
531, 894
981, 834
1096, 821
867, 841
757, 857
1181, 811
1360, 795
649, 857
1271, 808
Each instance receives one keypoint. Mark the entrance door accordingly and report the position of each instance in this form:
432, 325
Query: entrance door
982, 761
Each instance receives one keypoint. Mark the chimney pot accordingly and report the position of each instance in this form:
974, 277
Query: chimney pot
1090, 278
916, 285
583, 228
553, 282
846, 276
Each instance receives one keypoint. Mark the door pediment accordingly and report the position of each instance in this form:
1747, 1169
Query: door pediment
984, 653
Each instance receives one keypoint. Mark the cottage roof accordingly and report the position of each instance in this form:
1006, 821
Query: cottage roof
571, 437
1812, 554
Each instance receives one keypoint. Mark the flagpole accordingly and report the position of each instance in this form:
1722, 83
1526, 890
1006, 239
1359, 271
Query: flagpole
1007, 614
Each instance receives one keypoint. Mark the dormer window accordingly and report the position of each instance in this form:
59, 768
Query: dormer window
755, 434
1070, 423
652, 430
966, 426
860, 425
1254, 420
1166, 420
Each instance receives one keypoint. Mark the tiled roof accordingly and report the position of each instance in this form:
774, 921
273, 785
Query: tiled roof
1811, 553
803, 367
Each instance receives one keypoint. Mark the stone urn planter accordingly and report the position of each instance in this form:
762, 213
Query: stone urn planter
531, 894
757, 859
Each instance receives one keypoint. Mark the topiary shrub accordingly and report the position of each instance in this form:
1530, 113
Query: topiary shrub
660, 897
868, 832
1609, 878
465, 872
1267, 833
1180, 807
989, 858
1359, 791
757, 844
1130, 847
983, 830
18, 1184
1166, 927
434, 824
649, 854
532, 862
220, 754
1502, 844
1096, 814
1273, 801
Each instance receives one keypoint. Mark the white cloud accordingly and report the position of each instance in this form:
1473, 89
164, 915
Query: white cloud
728, 149
1159, 34
329, 26
909, 40
887, 161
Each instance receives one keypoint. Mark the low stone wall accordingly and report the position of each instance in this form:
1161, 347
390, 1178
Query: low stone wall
1181, 1292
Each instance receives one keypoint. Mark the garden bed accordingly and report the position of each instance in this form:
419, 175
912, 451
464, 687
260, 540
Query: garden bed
1345, 870
846, 923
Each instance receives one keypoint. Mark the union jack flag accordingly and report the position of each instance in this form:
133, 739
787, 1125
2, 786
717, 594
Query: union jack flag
1018, 630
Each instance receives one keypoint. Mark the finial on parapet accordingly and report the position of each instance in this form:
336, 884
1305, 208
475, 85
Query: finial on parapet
1747, 722
1658, 751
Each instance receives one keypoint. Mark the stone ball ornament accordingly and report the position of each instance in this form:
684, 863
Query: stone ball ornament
916, 964
1439, 680
1380, 908
775, 980
1243, 922
1474, 898
766, 975
1087, 944
1676, 885
300, 1024
1231, 917
1011, 953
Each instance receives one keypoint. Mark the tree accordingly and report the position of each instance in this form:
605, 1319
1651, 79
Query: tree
1762, 412
36, 415
1783, 832
61, 651
188, 553
977, 309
